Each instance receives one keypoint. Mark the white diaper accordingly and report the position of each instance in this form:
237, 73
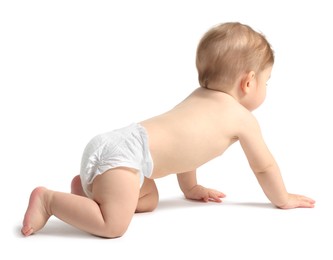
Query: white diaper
124, 147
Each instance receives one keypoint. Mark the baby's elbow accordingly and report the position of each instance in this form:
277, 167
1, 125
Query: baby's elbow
270, 167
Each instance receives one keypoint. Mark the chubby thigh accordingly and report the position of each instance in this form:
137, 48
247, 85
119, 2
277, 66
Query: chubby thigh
126, 147
117, 193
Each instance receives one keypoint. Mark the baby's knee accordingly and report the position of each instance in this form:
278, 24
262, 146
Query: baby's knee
148, 202
115, 230
154, 198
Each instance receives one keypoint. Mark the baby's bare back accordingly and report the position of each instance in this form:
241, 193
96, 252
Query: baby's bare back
197, 130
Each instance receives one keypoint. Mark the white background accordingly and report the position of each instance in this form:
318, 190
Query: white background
72, 69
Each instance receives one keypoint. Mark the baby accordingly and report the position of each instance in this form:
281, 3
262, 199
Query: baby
118, 168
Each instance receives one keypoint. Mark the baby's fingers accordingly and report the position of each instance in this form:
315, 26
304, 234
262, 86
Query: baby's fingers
220, 194
298, 201
216, 196
305, 202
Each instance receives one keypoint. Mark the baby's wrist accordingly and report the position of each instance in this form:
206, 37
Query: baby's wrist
283, 203
190, 190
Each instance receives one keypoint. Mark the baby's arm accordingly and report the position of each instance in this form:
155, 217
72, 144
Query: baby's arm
266, 169
188, 184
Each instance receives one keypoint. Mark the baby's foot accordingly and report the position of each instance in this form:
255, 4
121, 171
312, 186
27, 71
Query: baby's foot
36, 215
76, 186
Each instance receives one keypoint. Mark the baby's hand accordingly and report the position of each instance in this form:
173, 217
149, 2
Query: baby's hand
298, 201
199, 192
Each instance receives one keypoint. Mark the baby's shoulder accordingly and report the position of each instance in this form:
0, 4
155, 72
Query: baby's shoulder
238, 116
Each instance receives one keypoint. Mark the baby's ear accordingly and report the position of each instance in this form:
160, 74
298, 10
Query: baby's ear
247, 81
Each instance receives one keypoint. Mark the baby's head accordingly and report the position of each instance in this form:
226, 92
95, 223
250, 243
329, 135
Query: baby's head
229, 50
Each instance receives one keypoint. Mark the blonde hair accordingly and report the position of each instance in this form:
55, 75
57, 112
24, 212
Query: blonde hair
228, 50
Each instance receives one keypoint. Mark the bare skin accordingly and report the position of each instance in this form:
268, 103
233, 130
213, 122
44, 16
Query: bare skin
44, 203
205, 124
37, 214
197, 130
148, 198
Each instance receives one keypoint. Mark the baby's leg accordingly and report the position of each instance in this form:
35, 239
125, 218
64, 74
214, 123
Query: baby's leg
148, 196
76, 186
115, 194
